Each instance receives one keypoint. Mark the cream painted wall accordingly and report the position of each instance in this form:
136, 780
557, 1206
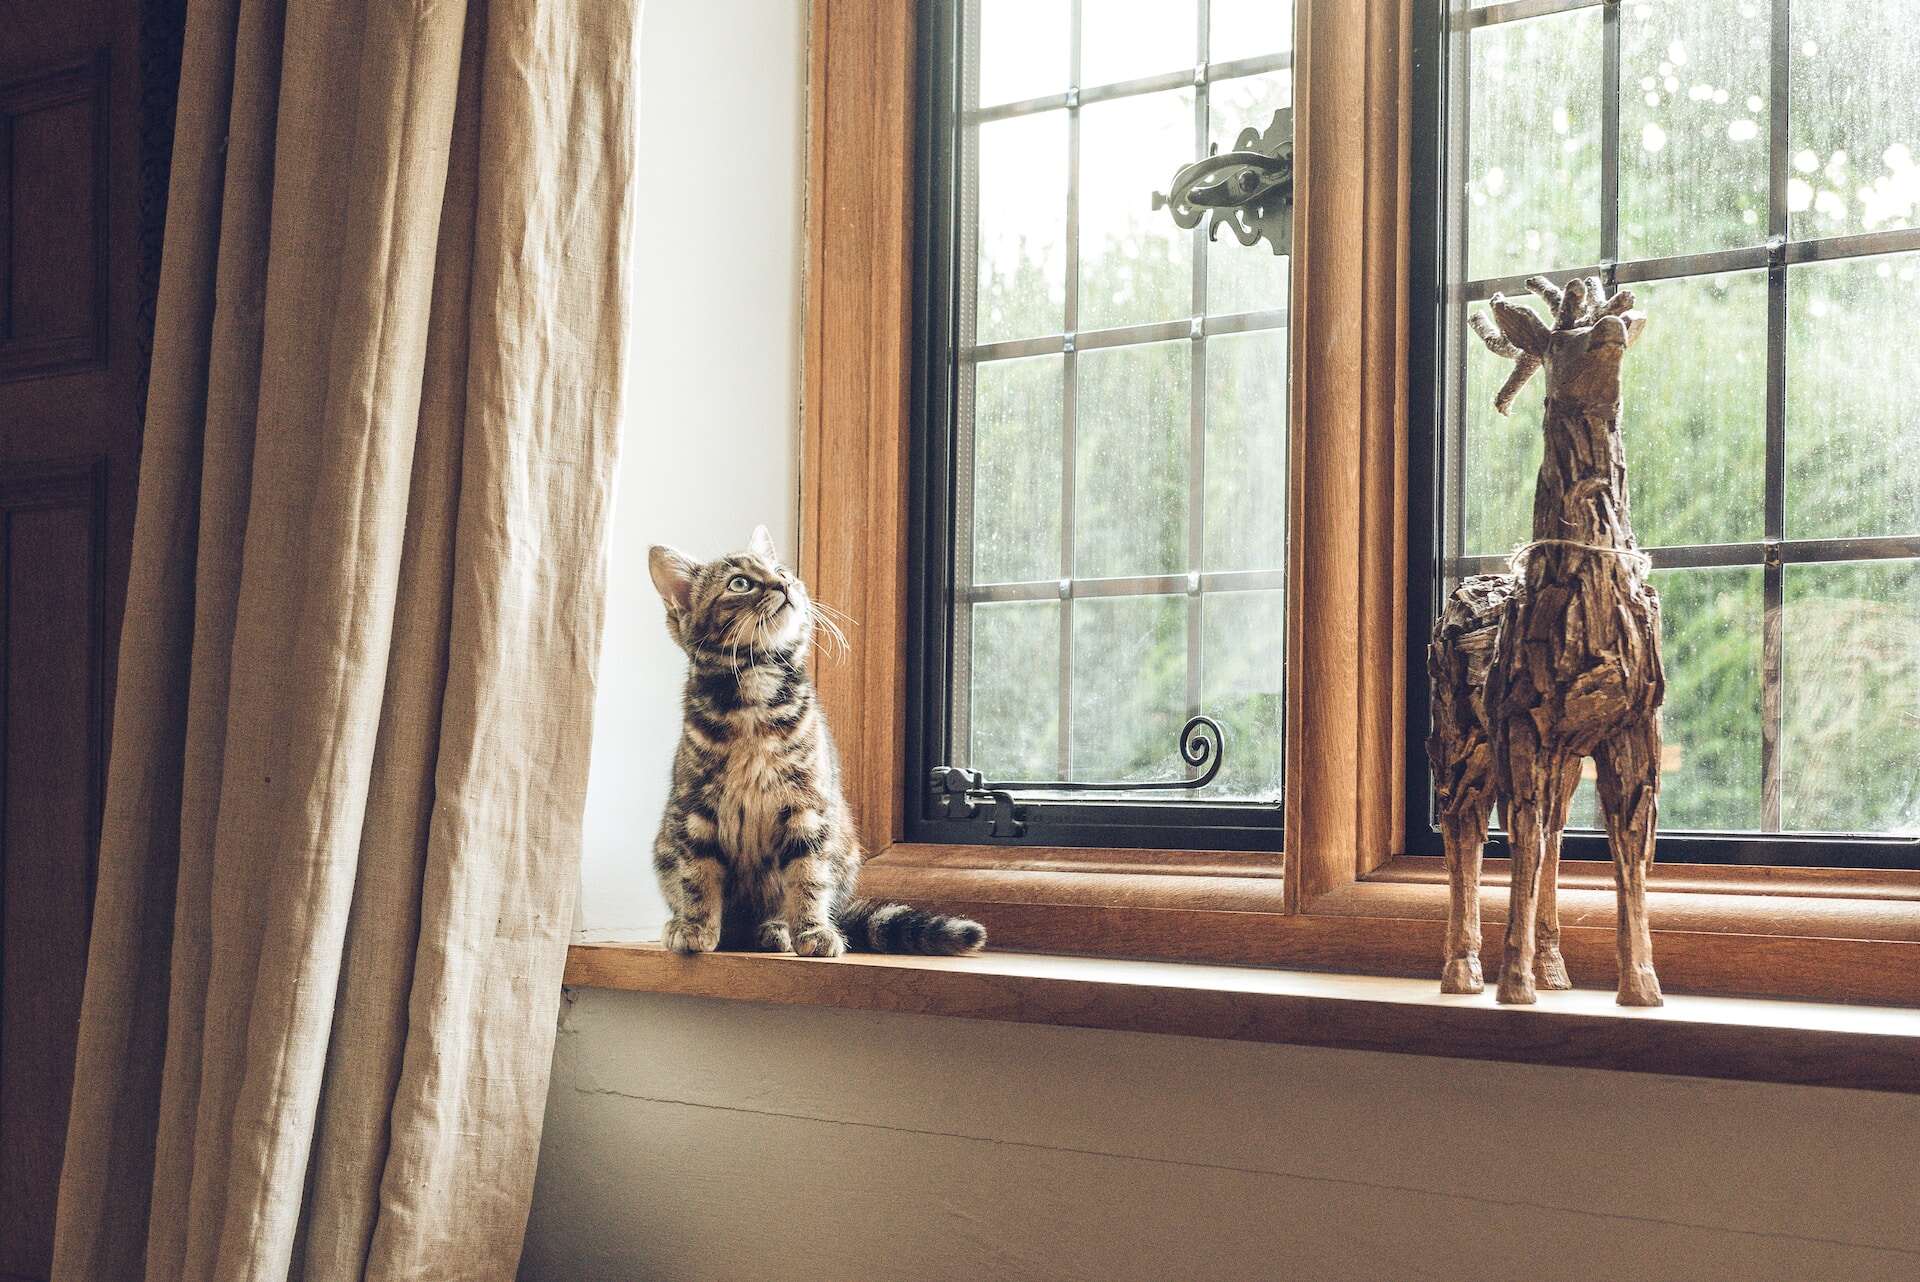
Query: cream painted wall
710, 447
692, 1139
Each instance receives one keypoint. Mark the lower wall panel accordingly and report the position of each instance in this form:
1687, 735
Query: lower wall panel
692, 1139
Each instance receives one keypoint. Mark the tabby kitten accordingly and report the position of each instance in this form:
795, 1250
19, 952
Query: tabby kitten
757, 847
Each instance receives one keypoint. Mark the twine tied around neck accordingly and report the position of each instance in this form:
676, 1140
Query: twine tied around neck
1517, 559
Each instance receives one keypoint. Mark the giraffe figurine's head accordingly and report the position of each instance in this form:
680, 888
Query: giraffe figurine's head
1581, 349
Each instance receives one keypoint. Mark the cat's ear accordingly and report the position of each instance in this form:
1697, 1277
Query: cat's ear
761, 544
673, 573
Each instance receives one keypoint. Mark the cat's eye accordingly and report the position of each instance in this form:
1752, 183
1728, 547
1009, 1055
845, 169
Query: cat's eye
739, 583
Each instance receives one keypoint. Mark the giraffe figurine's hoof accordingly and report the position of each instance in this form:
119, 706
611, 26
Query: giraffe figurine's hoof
1514, 990
1550, 969
1462, 975
1639, 986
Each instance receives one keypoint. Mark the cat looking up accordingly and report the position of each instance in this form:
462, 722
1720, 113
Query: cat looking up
757, 847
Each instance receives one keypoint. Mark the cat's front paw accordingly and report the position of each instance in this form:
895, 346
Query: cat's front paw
819, 941
684, 936
773, 937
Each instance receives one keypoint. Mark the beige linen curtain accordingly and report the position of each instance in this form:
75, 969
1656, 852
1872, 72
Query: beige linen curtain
356, 677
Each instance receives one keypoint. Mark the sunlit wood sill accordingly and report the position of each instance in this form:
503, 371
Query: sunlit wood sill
1741, 1039
1819, 935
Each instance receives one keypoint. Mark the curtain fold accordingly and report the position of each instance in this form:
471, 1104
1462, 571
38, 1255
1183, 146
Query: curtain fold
356, 684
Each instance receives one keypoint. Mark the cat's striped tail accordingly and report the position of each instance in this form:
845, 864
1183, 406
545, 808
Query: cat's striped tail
872, 927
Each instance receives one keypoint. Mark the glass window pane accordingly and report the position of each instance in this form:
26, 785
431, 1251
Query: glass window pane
1853, 424
1135, 265
1123, 490
1016, 689
1694, 390
1246, 465
1694, 84
1855, 118
1129, 687
1130, 460
1710, 623
1710, 753
1243, 646
1245, 278
1533, 159
1248, 28
1851, 698
1500, 458
1696, 105
1017, 431
1023, 225
1127, 39
1025, 49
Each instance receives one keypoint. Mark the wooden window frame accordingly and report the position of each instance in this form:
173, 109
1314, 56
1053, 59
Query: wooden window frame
1344, 896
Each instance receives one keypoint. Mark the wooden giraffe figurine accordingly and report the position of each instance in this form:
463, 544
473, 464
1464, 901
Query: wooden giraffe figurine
1560, 660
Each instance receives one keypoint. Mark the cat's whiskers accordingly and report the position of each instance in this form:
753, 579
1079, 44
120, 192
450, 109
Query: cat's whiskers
837, 613
758, 628
836, 638
733, 651
773, 652
763, 619
822, 616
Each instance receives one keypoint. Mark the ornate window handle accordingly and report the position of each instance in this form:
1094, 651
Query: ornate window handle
1249, 189
963, 793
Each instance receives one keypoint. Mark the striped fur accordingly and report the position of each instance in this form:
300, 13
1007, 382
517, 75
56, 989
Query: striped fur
757, 847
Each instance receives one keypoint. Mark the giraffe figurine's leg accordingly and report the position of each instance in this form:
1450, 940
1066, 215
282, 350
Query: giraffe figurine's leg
1460, 755
1525, 814
1464, 830
1462, 769
1549, 968
1629, 768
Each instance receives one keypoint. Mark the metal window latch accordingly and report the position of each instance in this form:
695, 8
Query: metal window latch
966, 795
1249, 189
962, 793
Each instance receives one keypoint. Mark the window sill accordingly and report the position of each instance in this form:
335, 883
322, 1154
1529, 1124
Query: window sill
1809, 934
1738, 1039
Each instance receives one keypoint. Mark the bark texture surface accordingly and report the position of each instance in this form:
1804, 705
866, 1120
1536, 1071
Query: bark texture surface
1557, 661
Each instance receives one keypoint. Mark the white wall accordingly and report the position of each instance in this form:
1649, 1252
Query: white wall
711, 440
691, 1139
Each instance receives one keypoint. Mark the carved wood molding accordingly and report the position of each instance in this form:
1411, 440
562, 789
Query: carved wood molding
54, 483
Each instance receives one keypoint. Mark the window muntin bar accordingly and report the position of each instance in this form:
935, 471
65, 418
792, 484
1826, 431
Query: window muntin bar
1517, 11
1177, 79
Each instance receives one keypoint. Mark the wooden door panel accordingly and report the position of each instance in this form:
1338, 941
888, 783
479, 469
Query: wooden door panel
54, 143
50, 726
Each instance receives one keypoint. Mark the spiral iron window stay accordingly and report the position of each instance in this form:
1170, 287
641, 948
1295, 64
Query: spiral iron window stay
966, 794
